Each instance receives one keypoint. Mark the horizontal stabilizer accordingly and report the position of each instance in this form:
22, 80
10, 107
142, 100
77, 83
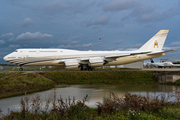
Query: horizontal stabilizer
151, 60
161, 52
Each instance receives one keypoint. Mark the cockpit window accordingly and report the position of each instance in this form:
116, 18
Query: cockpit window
15, 51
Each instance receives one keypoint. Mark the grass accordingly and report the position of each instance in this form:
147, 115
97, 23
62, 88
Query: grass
13, 84
61, 68
26, 68
100, 76
131, 107
110, 77
176, 83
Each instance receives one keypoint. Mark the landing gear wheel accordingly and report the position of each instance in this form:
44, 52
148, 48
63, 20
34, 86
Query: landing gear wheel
20, 69
81, 68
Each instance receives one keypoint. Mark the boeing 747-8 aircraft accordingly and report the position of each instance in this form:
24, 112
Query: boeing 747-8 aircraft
87, 60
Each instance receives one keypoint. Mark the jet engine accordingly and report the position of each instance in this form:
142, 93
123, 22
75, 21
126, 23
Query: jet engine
71, 64
95, 62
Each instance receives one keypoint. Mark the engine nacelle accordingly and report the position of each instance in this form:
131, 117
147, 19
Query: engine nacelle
96, 62
71, 64
72, 67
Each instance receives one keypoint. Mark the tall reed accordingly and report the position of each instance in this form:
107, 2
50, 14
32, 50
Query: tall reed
131, 106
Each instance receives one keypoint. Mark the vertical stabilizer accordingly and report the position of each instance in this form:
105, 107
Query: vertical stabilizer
152, 60
156, 42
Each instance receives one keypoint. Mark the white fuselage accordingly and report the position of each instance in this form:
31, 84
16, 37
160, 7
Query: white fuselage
51, 57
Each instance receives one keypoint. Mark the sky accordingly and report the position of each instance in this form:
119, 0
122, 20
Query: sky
78, 24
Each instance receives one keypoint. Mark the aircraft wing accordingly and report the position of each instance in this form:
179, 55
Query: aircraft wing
101, 60
140, 52
123, 55
116, 56
109, 57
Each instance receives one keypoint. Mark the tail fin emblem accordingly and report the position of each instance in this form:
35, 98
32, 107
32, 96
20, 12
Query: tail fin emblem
156, 44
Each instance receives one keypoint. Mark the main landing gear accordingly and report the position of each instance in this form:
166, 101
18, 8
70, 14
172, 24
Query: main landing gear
20, 69
87, 69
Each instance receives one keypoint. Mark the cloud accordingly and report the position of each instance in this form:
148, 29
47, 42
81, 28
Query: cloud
86, 45
7, 35
74, 42
28, 36
59, 5
138, 45
75, 37
73, 7
116, 5
170, 48
11, 39
13, 46
100, 21
118, 42
2, 41
133, 47
26, 22
159, 16
140, 12
175, 44
144, 12
76, 47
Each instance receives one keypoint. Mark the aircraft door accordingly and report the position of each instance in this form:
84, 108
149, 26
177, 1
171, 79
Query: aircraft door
37, 51
23, 56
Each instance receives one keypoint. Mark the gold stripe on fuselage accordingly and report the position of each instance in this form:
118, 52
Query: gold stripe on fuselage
119, 61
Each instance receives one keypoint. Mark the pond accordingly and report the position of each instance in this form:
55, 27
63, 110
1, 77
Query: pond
95, 92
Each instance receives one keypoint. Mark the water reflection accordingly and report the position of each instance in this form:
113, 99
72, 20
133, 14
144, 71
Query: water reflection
96, 93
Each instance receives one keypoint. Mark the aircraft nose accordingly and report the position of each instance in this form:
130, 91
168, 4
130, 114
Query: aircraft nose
5, 58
